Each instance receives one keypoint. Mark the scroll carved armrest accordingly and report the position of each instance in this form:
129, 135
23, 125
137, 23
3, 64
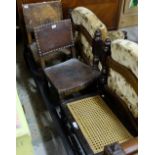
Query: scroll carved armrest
129, 147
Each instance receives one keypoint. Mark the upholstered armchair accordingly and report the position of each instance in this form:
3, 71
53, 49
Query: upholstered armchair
121, 64
123, 51
85, 17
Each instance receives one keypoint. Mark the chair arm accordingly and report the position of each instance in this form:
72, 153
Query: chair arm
129, 147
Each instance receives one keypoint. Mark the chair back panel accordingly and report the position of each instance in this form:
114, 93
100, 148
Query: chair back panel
54, 36
36, 14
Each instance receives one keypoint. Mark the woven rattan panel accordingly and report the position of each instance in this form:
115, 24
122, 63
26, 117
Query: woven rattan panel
97, 122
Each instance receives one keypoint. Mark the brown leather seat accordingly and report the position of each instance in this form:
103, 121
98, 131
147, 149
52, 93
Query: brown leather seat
71, 76
68, 77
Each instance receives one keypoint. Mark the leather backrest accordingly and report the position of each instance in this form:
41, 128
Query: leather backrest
54, 36
40, 13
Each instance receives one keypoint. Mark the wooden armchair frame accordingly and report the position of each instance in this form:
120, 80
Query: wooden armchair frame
101, 53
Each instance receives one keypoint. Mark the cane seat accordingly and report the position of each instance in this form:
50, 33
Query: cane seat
71, 76
98, 124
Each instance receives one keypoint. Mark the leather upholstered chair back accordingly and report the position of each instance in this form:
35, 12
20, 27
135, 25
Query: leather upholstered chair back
53, 37
36, 14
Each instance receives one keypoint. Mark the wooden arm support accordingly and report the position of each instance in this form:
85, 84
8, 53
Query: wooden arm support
129, 147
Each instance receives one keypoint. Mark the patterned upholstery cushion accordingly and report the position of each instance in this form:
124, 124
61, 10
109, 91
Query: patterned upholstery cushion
86, 18
123, 89
123, 51
126, 53
113, 35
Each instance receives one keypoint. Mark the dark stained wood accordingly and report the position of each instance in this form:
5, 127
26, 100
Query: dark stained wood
71, 76
78, 132
83, 30
113, 149
119, 107
130, 147
65, 76
106, 10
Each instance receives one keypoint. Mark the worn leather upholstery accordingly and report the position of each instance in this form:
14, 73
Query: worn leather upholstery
40, 13
36, 14
71, 76
63, 37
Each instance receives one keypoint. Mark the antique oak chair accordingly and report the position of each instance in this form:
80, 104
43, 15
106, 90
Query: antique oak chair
90, 122
71, 76
124, 51
104, 123
36, 14
119, 83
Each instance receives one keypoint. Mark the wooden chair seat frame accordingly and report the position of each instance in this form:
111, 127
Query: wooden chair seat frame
76, 137
101, 53
120, 109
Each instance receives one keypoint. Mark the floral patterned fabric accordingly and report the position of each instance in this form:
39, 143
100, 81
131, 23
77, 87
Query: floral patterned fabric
123, 51
126, 53
85, 17
124, 90
118, 34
